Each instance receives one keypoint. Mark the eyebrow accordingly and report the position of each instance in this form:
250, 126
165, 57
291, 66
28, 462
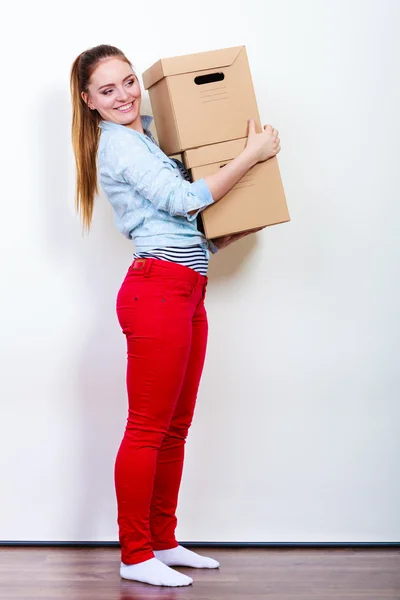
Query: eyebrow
110, 84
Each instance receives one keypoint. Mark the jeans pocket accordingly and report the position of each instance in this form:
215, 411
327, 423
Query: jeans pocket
180, 289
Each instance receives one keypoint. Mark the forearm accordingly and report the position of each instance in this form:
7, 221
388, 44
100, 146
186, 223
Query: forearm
221, 182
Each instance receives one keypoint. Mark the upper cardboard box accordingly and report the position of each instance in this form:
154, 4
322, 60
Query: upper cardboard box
201, 99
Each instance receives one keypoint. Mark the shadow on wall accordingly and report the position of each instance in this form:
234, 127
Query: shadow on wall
231, 261
95, 266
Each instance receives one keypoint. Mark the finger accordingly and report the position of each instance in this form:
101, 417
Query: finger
268, 128
226, 239
244, 233
256, 229
252, 126
238, 236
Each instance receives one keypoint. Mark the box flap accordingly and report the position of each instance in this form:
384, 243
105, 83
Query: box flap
202, 61
207, 155
152, 75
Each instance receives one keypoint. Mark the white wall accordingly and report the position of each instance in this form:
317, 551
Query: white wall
296, 435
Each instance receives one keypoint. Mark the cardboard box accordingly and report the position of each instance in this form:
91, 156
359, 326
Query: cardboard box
201, 99
177, 156
258, 199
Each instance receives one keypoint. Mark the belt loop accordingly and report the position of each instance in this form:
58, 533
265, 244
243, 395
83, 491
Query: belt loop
147, 266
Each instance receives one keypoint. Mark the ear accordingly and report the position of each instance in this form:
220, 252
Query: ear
85, 99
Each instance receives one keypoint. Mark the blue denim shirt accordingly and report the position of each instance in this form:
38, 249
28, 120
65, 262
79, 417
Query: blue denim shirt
151, 199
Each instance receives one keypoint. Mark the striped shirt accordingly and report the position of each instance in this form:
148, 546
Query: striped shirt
193, 257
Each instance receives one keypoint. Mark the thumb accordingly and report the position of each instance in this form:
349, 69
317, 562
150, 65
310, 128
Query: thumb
252, 126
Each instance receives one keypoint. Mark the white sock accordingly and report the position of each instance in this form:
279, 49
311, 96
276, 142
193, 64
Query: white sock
154, 572
182, 557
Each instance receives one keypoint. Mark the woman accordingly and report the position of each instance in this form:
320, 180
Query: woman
160, 305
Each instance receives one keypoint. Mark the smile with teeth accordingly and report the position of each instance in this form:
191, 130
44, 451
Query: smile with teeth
125, 108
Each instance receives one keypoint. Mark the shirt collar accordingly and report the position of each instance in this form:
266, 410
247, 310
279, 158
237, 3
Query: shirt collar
146, 121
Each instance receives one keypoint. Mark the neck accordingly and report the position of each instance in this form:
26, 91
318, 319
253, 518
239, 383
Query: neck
136, 124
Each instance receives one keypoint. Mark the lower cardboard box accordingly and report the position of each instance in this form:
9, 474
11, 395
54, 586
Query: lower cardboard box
257, 200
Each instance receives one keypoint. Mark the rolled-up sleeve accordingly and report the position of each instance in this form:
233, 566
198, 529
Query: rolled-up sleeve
155, 179
212, 247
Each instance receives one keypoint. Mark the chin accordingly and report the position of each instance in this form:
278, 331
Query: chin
129, 117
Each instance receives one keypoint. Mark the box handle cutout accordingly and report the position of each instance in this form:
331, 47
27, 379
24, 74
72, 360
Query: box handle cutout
211, 78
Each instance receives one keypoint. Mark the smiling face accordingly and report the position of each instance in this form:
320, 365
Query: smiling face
114, 91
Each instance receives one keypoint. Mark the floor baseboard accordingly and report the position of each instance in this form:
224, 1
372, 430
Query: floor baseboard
275, 545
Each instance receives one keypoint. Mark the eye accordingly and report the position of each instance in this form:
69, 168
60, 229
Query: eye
131, 82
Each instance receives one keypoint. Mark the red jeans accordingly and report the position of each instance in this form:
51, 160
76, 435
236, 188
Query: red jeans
160, 307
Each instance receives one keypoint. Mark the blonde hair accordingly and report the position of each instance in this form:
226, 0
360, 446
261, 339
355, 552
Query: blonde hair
85, 128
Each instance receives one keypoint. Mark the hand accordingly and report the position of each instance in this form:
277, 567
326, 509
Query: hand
264, 145
225, 240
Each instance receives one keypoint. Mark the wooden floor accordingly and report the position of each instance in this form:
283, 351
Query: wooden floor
283, 574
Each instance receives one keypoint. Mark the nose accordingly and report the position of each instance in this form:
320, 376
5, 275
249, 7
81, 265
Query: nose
122, 94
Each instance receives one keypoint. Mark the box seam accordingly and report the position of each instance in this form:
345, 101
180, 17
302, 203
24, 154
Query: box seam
175, 119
